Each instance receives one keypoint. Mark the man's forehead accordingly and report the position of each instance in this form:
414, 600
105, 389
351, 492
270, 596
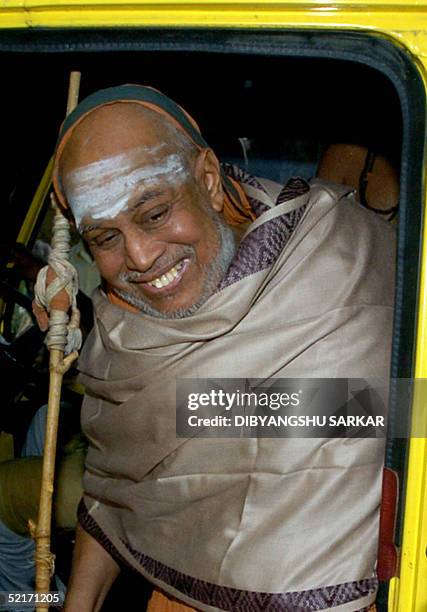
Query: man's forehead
110, 131
124, 161
105, 188
92, 220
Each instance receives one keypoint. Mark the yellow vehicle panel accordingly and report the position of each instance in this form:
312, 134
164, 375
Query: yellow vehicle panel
405, 22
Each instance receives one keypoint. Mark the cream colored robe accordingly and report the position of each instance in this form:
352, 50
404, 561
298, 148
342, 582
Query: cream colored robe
247, 524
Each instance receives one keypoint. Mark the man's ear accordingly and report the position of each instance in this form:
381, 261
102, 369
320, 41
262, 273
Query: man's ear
208, 174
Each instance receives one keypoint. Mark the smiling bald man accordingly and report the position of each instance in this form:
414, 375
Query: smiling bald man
148, 212
209, 272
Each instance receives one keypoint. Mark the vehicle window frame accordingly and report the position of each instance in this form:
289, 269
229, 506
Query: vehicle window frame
375, 50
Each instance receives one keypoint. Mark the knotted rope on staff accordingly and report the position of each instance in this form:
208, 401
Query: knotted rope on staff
55, 305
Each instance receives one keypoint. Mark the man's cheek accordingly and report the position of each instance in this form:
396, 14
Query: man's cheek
108, 266
182, 230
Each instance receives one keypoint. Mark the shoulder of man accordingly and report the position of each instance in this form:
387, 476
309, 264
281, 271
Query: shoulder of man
340, 201
339, 242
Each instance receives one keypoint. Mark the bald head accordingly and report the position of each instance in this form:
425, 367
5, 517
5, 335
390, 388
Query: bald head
117, 127
113, 150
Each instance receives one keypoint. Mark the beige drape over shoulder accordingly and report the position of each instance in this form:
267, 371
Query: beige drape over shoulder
247, 524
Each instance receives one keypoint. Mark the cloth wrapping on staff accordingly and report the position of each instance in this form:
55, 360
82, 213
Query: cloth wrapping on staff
247, 524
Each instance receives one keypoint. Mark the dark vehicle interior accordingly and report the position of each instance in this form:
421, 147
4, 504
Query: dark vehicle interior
271, 102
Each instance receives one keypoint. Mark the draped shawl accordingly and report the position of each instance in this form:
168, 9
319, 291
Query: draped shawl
247, 524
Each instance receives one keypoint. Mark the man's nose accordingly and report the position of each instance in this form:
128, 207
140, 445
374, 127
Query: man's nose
141, 251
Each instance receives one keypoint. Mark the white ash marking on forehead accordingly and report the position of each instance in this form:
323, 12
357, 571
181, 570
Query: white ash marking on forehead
102, 189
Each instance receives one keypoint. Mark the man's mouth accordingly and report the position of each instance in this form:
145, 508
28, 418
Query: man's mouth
170, 278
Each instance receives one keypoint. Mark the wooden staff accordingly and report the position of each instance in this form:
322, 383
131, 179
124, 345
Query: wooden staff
58, 365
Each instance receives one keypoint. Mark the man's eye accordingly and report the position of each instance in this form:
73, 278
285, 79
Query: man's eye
156, 216
104, 240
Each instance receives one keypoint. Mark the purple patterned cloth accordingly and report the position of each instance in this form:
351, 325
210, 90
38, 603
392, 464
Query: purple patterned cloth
261, 248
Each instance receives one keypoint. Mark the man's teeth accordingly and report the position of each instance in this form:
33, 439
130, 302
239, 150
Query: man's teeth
166, 279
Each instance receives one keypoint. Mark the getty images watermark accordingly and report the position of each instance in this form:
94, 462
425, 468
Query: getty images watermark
285, 407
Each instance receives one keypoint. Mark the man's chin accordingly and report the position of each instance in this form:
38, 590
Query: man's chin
171, 313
